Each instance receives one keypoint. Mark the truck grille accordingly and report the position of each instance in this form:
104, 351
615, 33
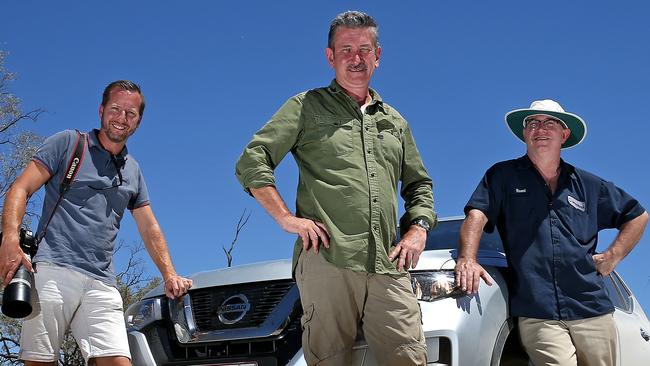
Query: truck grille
266, 351
262, 297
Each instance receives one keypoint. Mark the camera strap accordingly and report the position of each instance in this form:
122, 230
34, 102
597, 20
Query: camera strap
74, 164
70, 173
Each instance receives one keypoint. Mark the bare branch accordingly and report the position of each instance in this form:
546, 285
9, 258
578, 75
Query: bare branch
243, 219
31, 115
134, 261
228, 255
7, 345
9, 341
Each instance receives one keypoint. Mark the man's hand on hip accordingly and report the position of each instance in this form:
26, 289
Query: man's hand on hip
605, 262
310, 231
408, 250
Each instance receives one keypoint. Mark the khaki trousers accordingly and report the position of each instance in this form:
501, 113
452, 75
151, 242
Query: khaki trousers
584, 342
336, 301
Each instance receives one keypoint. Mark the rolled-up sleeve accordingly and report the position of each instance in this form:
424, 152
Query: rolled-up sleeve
417, 187
255, 166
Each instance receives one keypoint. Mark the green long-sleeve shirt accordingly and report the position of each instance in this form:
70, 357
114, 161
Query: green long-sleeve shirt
350, 163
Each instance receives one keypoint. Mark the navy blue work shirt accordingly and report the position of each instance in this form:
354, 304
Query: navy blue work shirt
549, 239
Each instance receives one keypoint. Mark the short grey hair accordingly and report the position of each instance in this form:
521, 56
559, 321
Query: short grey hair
353, 19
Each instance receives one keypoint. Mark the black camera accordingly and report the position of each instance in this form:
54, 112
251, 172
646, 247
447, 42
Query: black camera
17, 295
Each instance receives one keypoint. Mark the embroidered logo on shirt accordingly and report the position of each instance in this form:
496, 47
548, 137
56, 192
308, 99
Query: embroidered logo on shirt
578, 205
517, 190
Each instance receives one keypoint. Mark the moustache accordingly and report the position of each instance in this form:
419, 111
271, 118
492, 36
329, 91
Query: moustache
358, 67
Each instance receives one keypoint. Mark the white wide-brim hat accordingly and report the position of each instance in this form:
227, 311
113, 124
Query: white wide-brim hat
516, 120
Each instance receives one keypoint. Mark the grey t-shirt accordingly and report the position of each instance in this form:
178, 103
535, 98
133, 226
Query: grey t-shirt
81, 235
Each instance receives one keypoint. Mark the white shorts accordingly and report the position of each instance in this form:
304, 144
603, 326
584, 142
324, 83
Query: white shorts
66, 298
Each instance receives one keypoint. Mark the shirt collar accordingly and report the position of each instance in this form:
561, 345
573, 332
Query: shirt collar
375, 97
93, 141
524, 162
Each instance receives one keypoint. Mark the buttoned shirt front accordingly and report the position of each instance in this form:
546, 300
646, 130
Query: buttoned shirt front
350, 163
549, 239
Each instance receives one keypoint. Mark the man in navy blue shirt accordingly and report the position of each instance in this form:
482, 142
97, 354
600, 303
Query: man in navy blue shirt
548, 214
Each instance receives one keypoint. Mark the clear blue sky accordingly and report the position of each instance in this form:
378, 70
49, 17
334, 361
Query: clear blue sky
214, 71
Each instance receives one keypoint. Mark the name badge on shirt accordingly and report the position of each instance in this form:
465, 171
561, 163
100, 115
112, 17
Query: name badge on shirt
578, 205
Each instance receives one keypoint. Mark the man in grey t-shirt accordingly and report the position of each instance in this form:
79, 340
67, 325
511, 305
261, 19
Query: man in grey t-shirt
74, 276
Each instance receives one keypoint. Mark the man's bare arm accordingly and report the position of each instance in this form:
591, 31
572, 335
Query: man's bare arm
154, 240
11, 256
625, 241
468, 270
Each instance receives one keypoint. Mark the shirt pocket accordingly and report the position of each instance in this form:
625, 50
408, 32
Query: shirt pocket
389, 139
336, 134
579, 223
520, 205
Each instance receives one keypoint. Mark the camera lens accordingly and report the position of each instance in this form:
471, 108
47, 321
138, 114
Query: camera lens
16, 298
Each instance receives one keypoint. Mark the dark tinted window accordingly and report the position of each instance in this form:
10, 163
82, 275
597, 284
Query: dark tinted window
447, 233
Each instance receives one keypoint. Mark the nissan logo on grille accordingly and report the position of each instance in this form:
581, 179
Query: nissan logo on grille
233, 309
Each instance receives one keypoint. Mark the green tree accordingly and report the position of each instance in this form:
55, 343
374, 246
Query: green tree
16, 148
17, 145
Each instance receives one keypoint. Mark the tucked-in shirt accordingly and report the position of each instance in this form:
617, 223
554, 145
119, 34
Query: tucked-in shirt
350, 163
549, 239
81, 235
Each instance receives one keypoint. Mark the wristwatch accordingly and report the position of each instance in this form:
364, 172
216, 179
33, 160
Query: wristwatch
421, 223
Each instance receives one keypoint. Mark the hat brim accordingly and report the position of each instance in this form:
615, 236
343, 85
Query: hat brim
515, 121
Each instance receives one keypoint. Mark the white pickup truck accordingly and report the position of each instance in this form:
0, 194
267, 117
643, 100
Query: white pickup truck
250, 315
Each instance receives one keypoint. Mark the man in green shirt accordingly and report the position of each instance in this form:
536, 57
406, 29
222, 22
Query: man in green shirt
352, 149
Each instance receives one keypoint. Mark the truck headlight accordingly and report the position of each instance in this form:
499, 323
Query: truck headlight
435, 285
143, 313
